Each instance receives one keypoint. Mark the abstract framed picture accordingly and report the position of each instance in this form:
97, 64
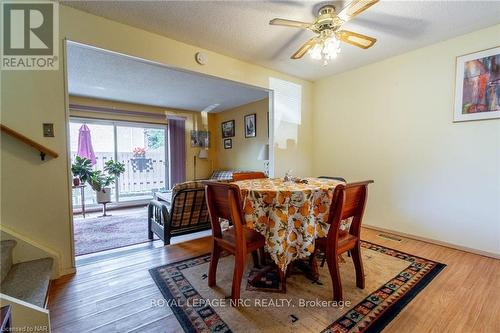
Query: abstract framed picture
250, 125
477, 90
227, 129
228, 143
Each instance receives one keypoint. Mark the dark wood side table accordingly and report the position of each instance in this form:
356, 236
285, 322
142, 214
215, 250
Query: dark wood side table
82, 196
6, 319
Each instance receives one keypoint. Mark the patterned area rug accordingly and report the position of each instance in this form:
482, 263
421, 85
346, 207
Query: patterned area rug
393, 279
105, 233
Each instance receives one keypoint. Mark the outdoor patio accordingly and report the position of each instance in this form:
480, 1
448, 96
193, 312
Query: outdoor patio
123, 228
140, 179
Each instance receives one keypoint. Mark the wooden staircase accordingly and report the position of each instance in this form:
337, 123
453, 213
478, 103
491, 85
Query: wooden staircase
27, 281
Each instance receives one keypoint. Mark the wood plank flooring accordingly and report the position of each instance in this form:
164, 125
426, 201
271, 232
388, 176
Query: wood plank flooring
116, 294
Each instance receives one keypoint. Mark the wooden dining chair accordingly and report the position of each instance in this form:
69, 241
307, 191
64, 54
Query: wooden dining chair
348, 201
237, 176
224, 202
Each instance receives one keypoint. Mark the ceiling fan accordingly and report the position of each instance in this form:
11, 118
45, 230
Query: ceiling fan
326, 44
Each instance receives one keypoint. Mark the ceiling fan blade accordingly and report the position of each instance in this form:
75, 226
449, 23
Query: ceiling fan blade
304, 48
355, 39
355, 8
290, 23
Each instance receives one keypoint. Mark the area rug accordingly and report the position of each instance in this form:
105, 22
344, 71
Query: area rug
393, 279
105, 233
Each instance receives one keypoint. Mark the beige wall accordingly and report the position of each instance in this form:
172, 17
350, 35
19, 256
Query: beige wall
193, 121
392, 121
243, 155
35, 197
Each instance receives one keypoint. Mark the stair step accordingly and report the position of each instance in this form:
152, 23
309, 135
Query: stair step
6, 253
29, 281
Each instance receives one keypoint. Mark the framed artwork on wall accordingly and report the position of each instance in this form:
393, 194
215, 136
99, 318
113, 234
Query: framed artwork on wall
477, 90
228, 143
227, 129
250, 125
200, 139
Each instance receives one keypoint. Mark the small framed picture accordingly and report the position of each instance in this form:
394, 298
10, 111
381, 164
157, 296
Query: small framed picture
251, 125
228, 143
228, 129
200, 139
477, 86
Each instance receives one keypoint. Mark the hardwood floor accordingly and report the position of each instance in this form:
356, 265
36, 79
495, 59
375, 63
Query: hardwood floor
116, 294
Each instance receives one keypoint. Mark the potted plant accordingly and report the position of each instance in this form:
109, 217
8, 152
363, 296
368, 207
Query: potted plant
82, 170
140, 162
139, 152
100, 181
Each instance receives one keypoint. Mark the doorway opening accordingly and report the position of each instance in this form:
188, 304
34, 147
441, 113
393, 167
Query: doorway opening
164, 127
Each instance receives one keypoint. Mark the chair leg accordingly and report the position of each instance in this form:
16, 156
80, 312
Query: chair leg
150, 232
313, 265
358, 265
262, 255
239, 267
282, 279
333, 267
255, 257
214, 261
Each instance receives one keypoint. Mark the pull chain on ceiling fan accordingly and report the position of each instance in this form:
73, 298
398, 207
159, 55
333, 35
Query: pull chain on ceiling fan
326, 44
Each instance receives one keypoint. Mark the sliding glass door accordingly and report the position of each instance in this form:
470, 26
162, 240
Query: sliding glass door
143, 151
140, 147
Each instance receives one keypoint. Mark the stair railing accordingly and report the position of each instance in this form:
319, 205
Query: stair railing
41, 148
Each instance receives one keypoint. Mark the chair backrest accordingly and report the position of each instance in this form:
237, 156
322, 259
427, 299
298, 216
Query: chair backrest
189, 209
248, 175
348, 202
224, 202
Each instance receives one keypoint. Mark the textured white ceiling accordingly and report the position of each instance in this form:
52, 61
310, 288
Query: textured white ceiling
101, 74
240, 28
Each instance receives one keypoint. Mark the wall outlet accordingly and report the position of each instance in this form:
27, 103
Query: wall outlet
48, 130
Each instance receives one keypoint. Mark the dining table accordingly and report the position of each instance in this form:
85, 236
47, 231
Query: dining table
290, 214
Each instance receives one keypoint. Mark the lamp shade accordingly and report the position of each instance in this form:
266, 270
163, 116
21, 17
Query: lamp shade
264, 153
203, 153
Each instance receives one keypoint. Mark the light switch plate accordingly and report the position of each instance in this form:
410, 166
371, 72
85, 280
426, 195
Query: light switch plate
48, 130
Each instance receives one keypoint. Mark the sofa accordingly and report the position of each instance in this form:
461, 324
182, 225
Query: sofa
186, 212
183, 209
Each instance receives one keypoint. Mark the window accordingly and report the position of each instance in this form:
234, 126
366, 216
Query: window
287, 111
141, 147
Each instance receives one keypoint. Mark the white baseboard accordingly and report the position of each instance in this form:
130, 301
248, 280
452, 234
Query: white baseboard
435, 241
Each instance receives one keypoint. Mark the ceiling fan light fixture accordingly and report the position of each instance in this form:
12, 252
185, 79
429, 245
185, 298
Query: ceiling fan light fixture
329, 33
315, 52
326, 50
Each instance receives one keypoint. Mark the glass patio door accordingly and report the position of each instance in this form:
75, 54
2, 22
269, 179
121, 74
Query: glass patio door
103, 143
140, 147
143, 151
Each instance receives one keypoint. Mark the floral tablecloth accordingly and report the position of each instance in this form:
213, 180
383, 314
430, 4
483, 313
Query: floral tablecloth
289, 215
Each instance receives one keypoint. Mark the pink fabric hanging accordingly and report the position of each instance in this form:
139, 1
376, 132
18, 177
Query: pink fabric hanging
85, 149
